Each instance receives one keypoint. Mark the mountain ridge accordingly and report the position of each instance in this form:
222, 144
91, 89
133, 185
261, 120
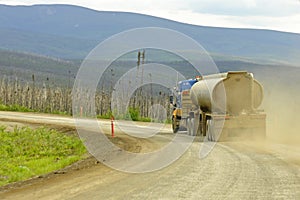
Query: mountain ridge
68, 31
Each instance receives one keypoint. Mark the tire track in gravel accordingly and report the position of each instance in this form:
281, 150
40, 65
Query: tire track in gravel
233, 170
272, 177
187, 178
229, 172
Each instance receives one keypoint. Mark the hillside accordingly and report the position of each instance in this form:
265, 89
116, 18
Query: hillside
45, 69
60, 72
70, 32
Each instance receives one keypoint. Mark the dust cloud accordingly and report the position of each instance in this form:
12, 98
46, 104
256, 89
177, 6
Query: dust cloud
281, 103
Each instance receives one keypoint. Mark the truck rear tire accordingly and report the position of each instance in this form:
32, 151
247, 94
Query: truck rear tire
210, 131
193, 131
188, 124
191, 127
207, 130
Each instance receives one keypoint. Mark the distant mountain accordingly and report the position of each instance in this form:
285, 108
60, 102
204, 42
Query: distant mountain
70, 32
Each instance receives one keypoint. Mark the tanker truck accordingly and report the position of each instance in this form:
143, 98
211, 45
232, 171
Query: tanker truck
219, 106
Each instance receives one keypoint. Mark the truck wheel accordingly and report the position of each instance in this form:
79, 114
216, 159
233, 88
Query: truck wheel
174, 128
196, 125
192, 123
188, 124
210, 130
207, 130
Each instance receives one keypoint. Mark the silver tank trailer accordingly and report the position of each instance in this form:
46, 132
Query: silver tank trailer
231, 92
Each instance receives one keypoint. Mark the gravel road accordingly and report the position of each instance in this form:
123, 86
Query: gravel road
233, 170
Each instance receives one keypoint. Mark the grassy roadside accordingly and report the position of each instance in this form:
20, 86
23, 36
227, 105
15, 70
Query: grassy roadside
18, 108
26, 152
14, 108
132, 115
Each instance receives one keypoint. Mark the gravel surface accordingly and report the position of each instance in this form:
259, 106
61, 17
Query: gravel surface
233, 170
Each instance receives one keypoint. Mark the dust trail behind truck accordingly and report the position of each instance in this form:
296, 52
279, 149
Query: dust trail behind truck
219, 106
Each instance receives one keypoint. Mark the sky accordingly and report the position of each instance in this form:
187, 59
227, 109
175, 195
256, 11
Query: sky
282, 15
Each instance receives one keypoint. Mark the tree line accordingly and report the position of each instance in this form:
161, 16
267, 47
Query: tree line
48, 98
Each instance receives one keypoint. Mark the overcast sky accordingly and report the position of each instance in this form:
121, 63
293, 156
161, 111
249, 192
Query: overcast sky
283, 15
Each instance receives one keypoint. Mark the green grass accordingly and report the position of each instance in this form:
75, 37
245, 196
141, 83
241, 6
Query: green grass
15, 108
18, 108
133, 113
26, 152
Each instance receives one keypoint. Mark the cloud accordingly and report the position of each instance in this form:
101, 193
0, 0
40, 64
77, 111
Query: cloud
218, 7
287, 23
246, 7
277, 14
